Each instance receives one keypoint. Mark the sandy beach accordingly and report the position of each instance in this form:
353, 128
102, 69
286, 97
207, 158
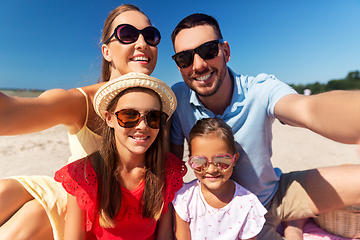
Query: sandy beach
44, 152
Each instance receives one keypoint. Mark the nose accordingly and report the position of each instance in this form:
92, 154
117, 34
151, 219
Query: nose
141, 43
199, 64
142, 123
211, 169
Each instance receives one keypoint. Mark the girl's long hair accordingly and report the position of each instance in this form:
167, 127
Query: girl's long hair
105, 163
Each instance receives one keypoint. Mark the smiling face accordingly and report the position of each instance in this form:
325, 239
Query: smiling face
134, 57
209, 146
136, 140
205, 77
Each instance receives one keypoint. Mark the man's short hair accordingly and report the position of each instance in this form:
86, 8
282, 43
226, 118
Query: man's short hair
196, 19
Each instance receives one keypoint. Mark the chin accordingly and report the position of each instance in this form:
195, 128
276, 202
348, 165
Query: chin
147, 71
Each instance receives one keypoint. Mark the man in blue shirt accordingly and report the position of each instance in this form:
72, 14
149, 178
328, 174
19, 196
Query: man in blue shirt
250, 105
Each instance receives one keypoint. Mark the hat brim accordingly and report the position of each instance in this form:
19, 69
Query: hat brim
111, 89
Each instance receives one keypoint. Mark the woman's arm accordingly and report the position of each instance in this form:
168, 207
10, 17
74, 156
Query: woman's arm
164, 227
75, 220
181, 228
57, 106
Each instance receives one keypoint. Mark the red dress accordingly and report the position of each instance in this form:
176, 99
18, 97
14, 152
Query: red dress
130, 223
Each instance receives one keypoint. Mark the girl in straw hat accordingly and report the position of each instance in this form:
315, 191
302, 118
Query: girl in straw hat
40, 198
125, 188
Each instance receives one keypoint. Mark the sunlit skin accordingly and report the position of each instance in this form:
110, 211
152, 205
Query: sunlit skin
210, 79
67, 107
204, 76
132, 143
133, 57
214, 184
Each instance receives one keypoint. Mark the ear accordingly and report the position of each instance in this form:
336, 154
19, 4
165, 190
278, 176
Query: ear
237, 155
106, 52
110, 121
226, 49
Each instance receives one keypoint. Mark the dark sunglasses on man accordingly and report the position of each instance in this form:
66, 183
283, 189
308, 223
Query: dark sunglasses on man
206, 51
126, 34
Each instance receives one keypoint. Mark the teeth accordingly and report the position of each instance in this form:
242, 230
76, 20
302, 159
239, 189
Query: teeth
203, 78
139, 138
142, 58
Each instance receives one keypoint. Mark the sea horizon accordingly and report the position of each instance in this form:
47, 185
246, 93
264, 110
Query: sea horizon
22, 92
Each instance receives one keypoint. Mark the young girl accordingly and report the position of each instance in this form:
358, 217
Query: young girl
122, 190
40, 198
213, 206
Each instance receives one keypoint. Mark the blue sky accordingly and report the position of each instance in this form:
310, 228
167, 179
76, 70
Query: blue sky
48, 44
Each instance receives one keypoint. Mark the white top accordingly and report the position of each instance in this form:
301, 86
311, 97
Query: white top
242, 218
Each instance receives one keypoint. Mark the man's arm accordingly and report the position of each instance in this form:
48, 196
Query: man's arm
334, 114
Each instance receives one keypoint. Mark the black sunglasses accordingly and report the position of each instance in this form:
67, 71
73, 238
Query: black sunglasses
127, 34
129, 118
206, 51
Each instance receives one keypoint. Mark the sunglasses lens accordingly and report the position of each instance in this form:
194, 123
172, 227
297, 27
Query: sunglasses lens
222, 162
184, 59
151, 36
208, 50
128, 118
156, 119
198, 163
127, 34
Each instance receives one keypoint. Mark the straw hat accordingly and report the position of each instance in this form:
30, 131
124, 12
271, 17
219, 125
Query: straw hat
112, 88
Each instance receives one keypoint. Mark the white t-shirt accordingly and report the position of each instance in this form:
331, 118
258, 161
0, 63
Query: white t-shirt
242, 218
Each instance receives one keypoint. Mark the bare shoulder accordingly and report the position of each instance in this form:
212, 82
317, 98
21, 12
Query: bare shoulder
92, 89
93, 119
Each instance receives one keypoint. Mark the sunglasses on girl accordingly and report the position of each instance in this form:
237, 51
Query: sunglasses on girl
129, 118
222, 162
206, 51
127, 34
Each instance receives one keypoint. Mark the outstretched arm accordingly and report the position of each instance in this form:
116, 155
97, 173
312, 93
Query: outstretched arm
75, 220
26, 115
334, 114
